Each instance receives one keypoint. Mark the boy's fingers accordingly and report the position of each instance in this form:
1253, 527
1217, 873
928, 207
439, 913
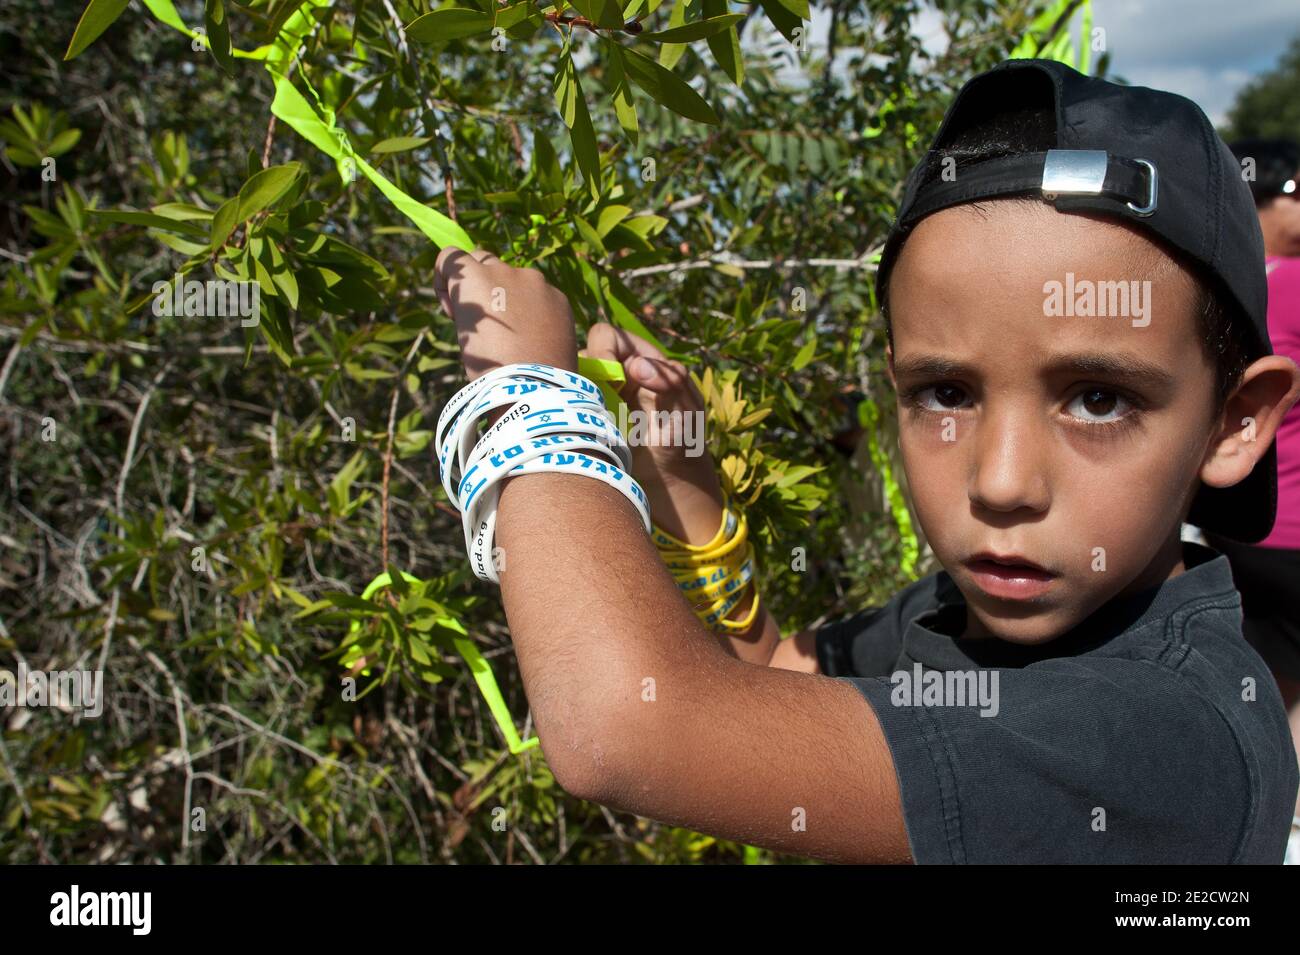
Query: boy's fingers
656, 374
455, 265
606, 341
451, 265
644, 364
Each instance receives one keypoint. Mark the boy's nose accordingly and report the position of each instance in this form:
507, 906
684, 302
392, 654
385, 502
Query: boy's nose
1008, 473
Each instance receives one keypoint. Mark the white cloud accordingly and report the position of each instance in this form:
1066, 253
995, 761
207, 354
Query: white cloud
1202, 49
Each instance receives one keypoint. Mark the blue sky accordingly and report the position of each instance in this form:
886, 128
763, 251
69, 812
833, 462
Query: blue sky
1205, 50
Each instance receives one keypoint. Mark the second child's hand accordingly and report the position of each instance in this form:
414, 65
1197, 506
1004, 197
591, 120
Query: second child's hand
683, 490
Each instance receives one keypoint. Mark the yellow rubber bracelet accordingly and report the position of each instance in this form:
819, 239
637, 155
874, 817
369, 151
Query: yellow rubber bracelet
715, 616
745, 622
725, 595
722, 557
722, 581
730, 546
676, 543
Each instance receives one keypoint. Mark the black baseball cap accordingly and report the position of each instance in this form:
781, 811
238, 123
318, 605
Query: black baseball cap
1146, 156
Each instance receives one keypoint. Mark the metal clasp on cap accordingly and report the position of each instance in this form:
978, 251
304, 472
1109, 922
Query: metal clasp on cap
1150, 207
1083, 172
1075, 171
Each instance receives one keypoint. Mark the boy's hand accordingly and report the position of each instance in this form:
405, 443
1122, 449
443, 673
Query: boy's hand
503, 314
684, 493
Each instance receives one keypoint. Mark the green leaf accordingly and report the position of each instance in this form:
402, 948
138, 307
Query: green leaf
725, 46
214, 21
670, 53
621, 92
668, 88
266, 187
95, 19
521, 20
288, 284
589, 235
805, 353
224, 222
451, 23
63, 142
784, 19
182, 246
800, 8
183, 211
128, 217
565, 91
611, 216
400, 144
340, 489
573, 107
603, 13
259, 192
697, 30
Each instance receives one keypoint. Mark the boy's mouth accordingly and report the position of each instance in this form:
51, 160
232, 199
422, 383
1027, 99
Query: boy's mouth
1008, 576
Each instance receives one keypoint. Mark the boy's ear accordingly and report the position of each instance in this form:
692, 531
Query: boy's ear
1251, 417
889, 364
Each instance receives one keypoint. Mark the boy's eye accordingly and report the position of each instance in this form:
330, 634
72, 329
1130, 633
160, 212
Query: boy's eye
940, 397
1099, 406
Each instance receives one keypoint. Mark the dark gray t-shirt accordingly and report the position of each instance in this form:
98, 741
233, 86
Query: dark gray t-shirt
1152, 733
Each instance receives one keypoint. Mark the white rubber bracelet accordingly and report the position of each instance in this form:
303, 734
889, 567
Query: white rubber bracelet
488, 470
483, 526
473, 467
456, 430
548, 411
526, 371
555, 415
551, 418
450, 434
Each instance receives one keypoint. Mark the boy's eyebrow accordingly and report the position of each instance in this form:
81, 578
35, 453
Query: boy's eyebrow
932, 366
1125, 369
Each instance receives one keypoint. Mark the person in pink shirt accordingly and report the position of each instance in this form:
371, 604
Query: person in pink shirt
1268, 573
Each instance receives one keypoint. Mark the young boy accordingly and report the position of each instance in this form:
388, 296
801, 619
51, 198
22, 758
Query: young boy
1056, 428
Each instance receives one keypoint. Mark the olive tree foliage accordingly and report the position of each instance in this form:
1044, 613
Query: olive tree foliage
195, 497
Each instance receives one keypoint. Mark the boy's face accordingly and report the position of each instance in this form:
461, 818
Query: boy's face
1033, 433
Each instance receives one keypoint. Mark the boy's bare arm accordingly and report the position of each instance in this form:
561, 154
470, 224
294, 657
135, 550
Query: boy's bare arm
636, 705
638, 709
